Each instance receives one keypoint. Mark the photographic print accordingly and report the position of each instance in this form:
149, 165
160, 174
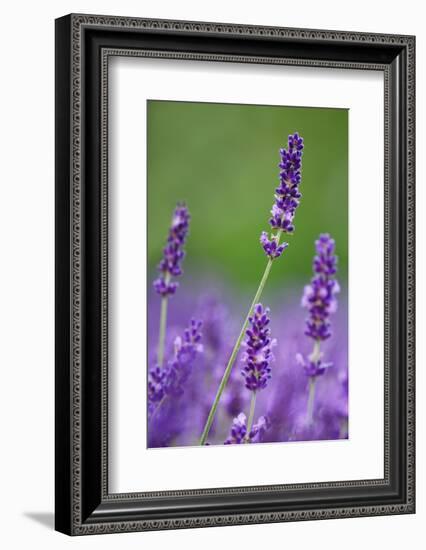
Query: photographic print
247, 274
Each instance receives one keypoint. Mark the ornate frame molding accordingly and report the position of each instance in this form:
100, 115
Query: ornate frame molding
72, 47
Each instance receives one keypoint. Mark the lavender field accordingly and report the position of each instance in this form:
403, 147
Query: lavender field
283, 402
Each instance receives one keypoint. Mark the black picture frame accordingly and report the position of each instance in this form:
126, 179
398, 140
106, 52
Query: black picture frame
83, 45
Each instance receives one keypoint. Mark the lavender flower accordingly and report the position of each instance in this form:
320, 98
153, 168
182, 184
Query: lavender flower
239, 433
258, 354
319, 296
287, 196
257, 432
173, 253
312, 368
320, 299
271, 247
156, 388
238, 430
284, 402
171, 380
186, 350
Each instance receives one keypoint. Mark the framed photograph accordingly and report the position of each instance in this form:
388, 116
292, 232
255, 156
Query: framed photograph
234, 274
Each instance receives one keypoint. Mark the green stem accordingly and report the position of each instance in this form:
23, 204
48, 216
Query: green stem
314, 357
316, 352
311, 399
251, 414
154, 414
163, 325
228, 369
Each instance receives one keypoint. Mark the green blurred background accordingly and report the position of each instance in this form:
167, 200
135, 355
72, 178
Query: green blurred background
221, 159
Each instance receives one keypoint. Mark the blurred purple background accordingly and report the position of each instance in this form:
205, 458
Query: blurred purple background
180, 420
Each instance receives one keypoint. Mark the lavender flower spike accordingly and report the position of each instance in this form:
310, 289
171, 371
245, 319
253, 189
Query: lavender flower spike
173, 253
171, 380
257, 357
258, 354
287, 196
170, 266
240, 434
156, 388
186, 351
319, 296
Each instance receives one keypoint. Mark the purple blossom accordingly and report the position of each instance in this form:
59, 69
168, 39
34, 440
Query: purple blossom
325, 262
257, 432
186, 350
238, 433
258, 350
173, 253
238, 430
287, 194
163, 287
156, 387
319, 296
312, 368
179, 421
171, 380
272, 249
285, 402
